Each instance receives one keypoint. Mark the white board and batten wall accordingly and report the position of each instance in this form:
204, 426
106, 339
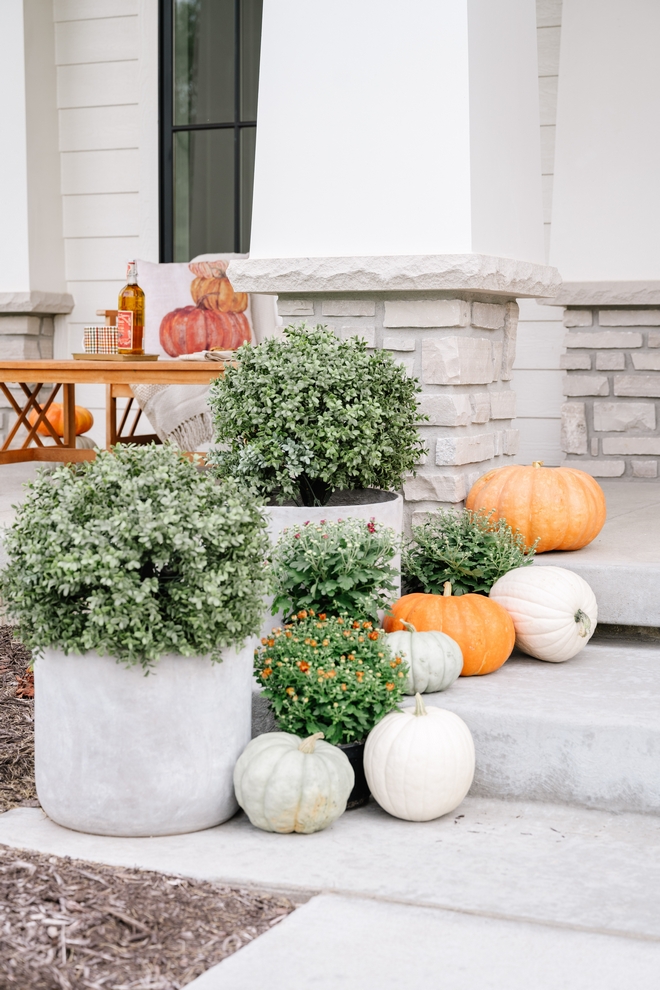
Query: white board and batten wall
537, 378
106, 54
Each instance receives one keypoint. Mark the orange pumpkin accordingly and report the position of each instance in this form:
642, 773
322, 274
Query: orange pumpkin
218, 294
561, 506
55, 416
190, 329
484, 633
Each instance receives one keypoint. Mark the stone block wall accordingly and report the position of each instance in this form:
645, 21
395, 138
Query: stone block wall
22, 337
461, 349
611, 419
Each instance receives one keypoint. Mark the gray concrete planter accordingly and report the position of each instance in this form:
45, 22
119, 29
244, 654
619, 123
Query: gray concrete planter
118, 753
363, 503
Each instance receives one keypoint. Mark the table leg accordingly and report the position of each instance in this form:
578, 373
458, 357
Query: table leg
69, 415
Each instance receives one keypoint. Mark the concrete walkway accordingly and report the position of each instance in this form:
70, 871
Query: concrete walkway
552, 896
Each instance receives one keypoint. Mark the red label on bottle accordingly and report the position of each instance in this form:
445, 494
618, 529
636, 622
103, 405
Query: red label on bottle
125, 329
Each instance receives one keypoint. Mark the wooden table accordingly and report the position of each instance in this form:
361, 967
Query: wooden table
63, 376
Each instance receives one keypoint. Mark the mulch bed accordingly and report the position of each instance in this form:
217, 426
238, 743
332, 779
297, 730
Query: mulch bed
16, 724
71, 925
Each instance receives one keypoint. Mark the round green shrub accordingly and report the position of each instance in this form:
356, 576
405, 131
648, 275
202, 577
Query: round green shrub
134, 555
302, 416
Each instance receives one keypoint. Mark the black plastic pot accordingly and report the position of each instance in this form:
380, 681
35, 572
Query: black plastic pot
360, 793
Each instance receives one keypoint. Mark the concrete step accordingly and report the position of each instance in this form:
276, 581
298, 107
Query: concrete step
339, 942
510, 860
357, 944
585, 732
622, 565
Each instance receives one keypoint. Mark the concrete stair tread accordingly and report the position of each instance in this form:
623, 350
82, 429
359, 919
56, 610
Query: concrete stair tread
521, 861
586, 731
343, 942
622, 564
608, 683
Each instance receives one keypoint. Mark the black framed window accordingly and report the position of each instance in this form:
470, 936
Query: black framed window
209, 76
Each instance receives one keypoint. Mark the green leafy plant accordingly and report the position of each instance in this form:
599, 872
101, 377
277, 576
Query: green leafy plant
329, 674
340, 568
135, 554
470, 549
299, 417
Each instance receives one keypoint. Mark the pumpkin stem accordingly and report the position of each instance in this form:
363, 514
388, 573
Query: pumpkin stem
308, 745
408, 626
419, 705
537, 464
584, 623
446, 589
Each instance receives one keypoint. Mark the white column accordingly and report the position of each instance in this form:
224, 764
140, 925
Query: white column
605, 221
390, 130
398, 196
32, 283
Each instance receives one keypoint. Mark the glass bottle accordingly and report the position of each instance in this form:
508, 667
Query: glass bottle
130, 315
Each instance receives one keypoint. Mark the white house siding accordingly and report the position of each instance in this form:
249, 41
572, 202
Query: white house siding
107, 97
537, 378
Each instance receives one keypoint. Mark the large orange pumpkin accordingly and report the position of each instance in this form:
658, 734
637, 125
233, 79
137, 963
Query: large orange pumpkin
561, 506
218, 294
190, 329
55, 416
485, 634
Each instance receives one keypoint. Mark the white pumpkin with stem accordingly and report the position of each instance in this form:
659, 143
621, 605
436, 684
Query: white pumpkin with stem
434, 659
419, 762
287, 784
554, 610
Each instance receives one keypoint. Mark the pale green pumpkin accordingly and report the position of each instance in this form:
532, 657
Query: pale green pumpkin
287, 784
434, 659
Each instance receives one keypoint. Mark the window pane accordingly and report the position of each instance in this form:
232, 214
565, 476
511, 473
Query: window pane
250, 47
203, 193
248, 139
204, 37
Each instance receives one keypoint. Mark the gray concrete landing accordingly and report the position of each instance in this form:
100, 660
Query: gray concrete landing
622, 565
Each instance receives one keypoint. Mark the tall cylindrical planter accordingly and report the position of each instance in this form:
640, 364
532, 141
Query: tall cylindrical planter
121, 753
363, 503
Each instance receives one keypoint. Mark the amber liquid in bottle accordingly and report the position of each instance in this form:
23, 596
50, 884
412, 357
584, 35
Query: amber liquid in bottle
130, 315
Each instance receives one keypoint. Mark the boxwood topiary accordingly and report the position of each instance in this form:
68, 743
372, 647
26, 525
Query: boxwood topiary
135, 554
299, 417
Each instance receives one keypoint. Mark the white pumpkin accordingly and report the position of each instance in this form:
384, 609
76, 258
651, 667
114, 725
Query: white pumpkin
287, 784
419, 762
434, 659
554, 610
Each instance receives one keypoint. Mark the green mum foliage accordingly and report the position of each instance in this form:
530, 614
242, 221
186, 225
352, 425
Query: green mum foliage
135, 554
470, 549
302, 416
329, 674
341, 568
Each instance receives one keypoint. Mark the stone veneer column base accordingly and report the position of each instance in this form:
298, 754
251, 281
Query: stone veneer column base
450, 320
611, 419
27, 330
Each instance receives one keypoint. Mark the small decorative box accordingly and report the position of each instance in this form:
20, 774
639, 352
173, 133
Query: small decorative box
100, 340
